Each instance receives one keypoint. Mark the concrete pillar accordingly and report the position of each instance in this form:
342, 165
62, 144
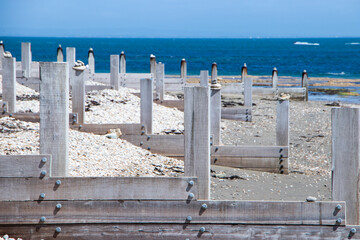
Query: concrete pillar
78, 94
60, 54
114, 71
122, 63
160, 86
26, 59
91, 61
183, 69
305, 84
146, 104
54, 115
9, 83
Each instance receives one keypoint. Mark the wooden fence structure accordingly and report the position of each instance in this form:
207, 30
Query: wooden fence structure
40, 201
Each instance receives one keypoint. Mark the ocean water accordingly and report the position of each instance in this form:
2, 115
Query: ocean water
321, 57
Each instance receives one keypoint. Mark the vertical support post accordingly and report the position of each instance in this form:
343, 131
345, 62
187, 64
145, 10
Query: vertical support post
282, 123
78, 95
346, 160
274, 78
160, 74
54, 115
114, 71
204, 78
60, 54
215, 112
9, 83
197, 137
305, 84
70, 59
153, 67
2, 50
122, 62
146, 104
91, 61
26, 59
247, 87
183, 69
214, 73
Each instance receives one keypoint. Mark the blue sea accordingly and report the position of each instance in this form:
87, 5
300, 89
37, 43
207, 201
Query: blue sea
321, 57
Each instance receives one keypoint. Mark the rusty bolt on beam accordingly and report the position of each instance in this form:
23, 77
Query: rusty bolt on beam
339, 220
338, 207
191, 183
58, 229
58, 182
42, 195
42, 219
43, 160
202, 229
204, 206
58, 206
191, 195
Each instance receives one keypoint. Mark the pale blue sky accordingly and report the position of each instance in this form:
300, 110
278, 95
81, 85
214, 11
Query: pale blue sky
180, 18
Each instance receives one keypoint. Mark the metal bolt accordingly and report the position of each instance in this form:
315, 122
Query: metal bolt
43, 160
188, 218
202, 229
191, 183
338, 207
216, 149
42, 219
353, 230
10, 115
42, 195
148, 138
80, 126
141, 143
204, 206
281, 149
43, 172
142, 126
191, 195
58, 229
149, 148
58, 206
339, 220
58, 182
142, 132
281, 155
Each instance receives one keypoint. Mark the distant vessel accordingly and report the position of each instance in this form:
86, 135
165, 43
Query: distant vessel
306, 43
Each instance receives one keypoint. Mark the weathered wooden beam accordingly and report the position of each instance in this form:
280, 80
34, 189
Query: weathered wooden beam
59, 54
237, 113
346, 160
159, 84
26, 59
114, 71
250, 151
9, 83
122, 62
215, 110
183, 69
70, 59
78, 94
34, 117
89, 88
102, 129
248, 89
274, 78
97, 188
54, 115
25, 165
153, 66
173, 212
282, 123
146, 104
91, 61
305, 84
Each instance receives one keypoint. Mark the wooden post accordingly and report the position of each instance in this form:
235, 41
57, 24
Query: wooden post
78, 95
160, 74
26, 59
214, 73
9, 83
2, 50
346, 160
114, 71
146, 104
91, 61
275, 79
122, 62
282, 123
60, 54
204, 78
70, 59
197, 137
305, 84
247, 87
215, 112
183, 69
54, 115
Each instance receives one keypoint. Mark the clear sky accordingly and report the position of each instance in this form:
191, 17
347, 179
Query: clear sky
180, 18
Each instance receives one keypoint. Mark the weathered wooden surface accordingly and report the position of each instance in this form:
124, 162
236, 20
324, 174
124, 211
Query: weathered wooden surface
91, 61
215, 114
31, 117
282, 123
26, 59
179, 231
3, 108
78, 95
32, 82
248, 89
89, 88
159, 84
122, 62
59, 54
146, 104
54, 112
70, 59
305, 84
34, 70
176, 212
9, 83
237, 113
274, 78
97, 188
250, 151
114, 71
183, 69
204, 78
102, 129
197, 135
346, 159
24, 165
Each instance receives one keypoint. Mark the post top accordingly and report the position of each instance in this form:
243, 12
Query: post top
183, 59
91, 49
245, 65
304, 71
122, 52
1, 42
275, 69
59, 45
7, 54
152, 56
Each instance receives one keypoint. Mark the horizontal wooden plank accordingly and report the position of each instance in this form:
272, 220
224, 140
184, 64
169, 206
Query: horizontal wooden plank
137, 75
102, 129
25, 165
250, 151
89, 88
33, 117
102, 77
179, 104
179, 231
175, 212
174, 80
169, 145
236, 110
95, 188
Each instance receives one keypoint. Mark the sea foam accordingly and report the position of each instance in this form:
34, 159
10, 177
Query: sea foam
334, 73
306, 43
353, 43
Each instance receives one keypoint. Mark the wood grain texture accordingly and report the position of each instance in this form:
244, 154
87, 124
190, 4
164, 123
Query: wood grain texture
159, 84
114, 71
282, 123
250, 151
146, 104
78, 95
215, 115
204, 78
91, 62
183, 69
175, 212
345, 159
26, 59
89, 88
70, 59
102, 129
97, 188
237, 113
54, 115
30, 117
24, 165
9, 83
